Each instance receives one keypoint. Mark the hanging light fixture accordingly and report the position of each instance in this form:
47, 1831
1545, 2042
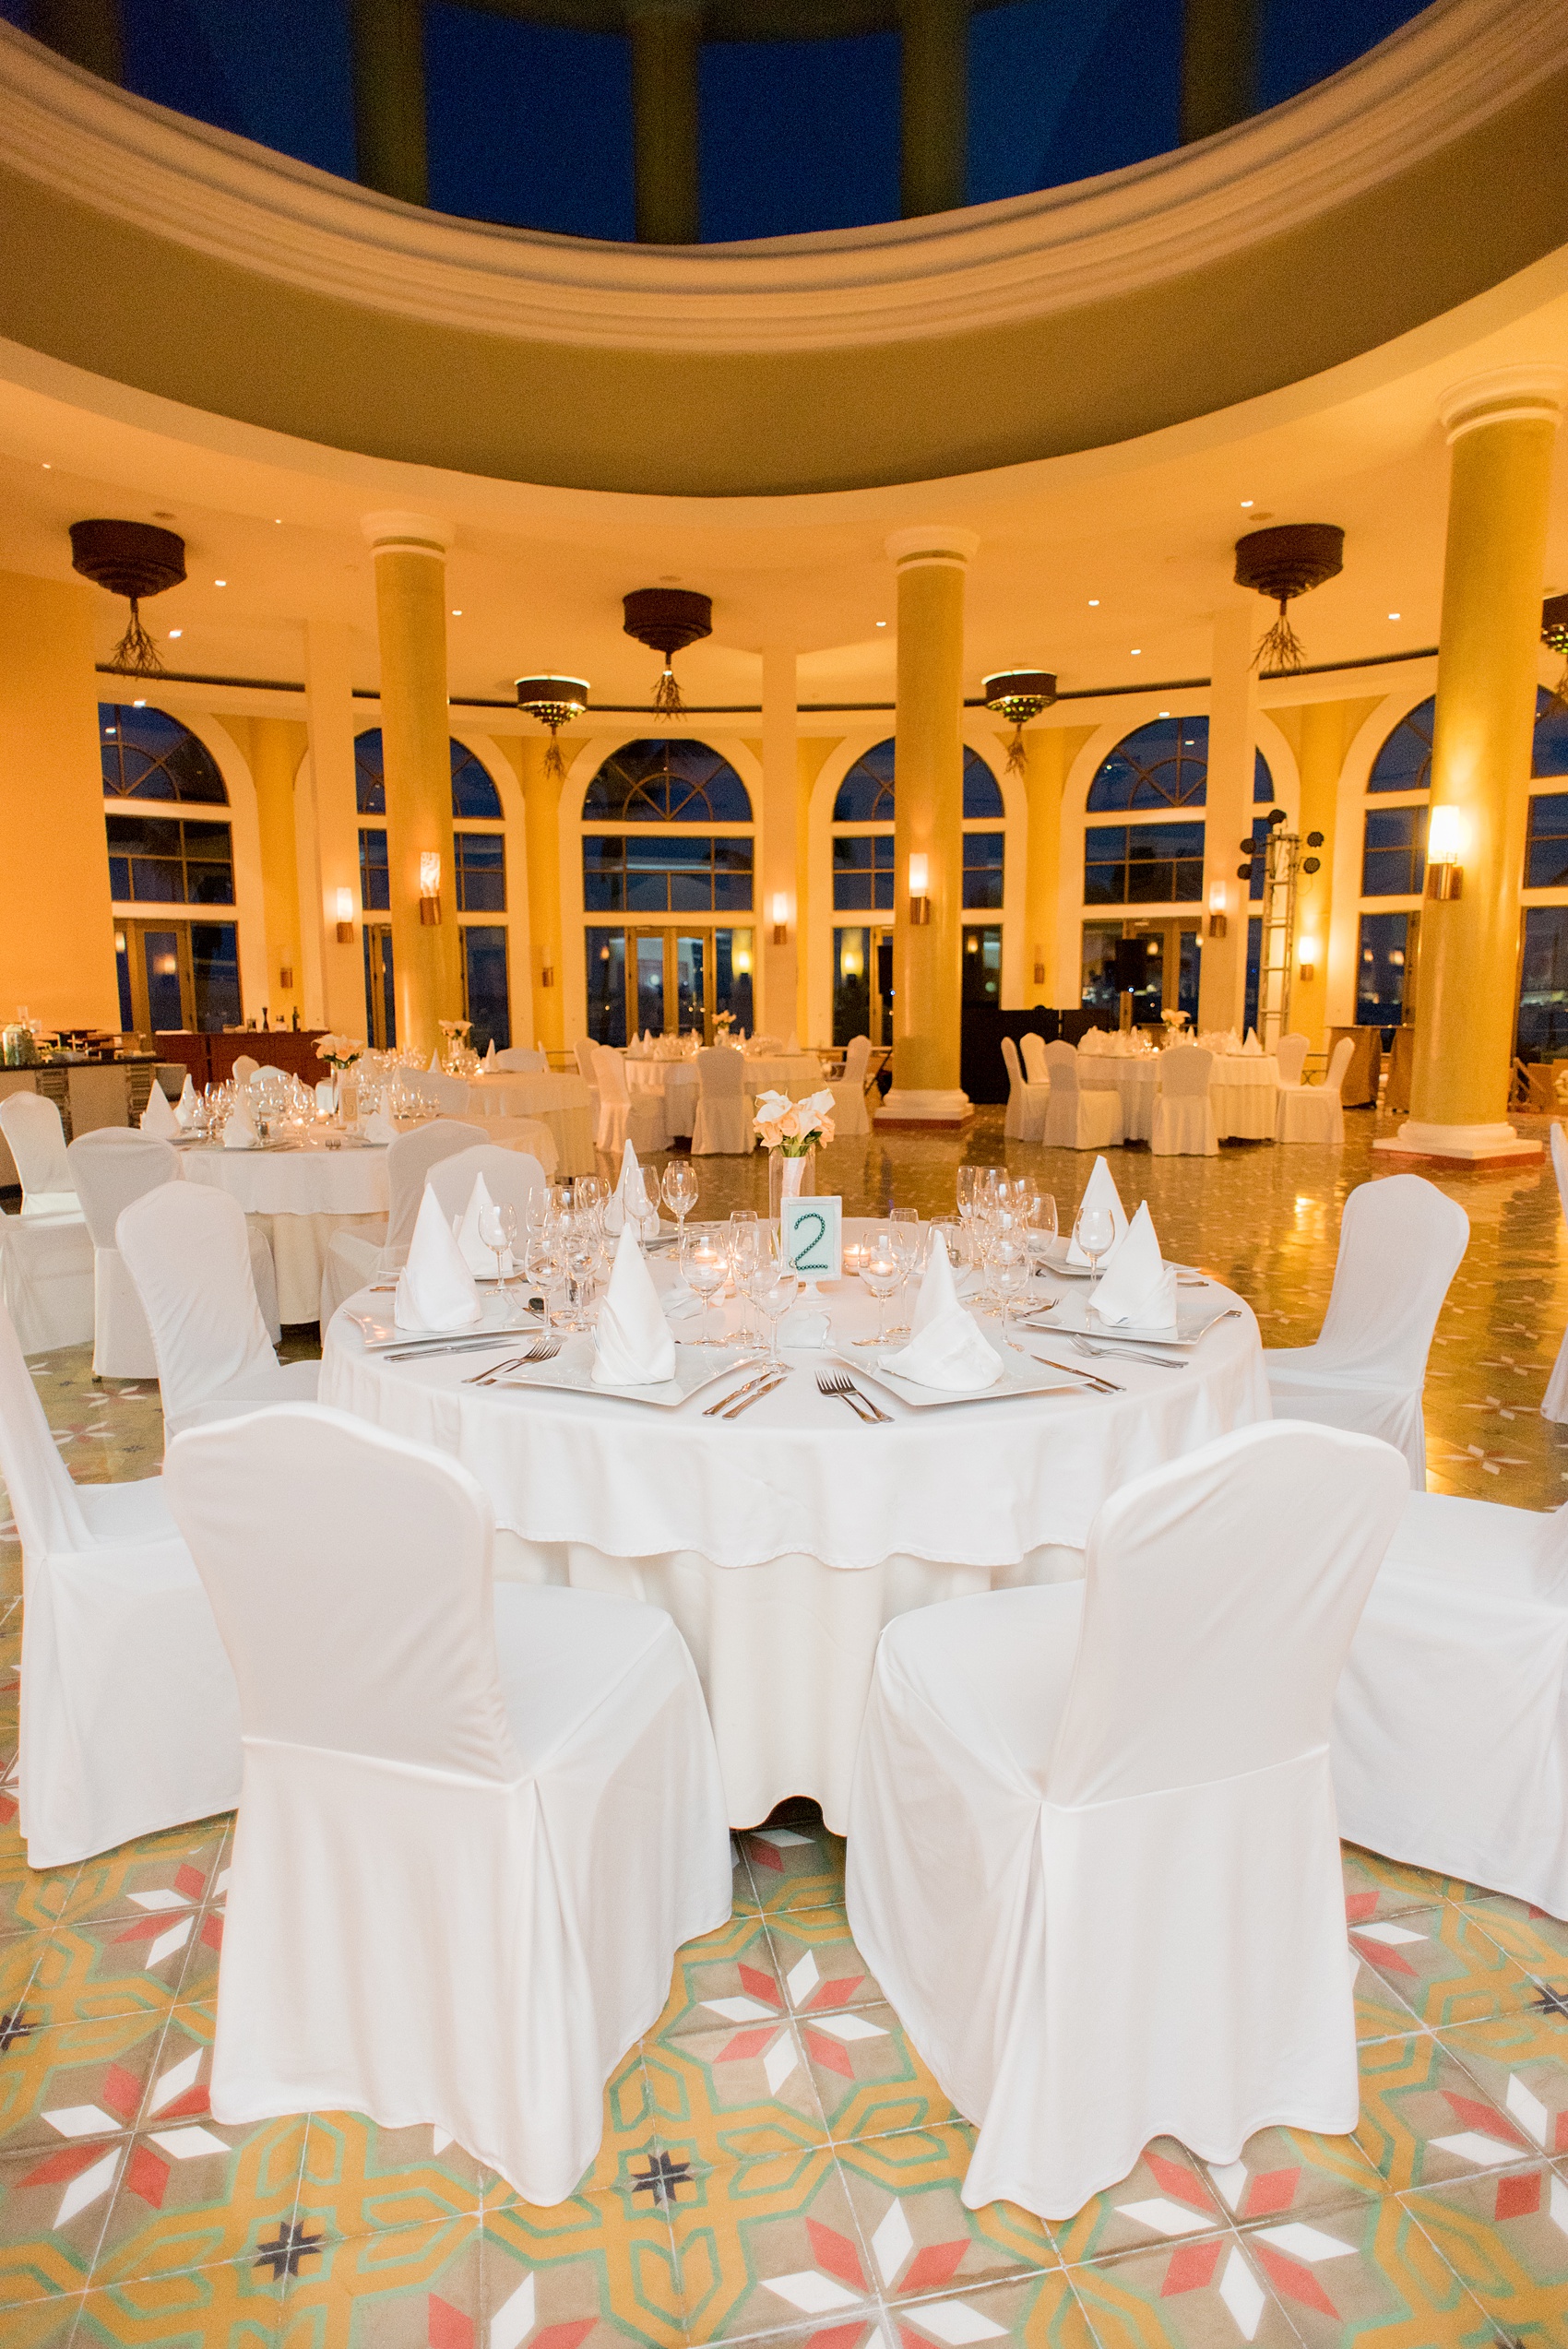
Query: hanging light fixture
1282, 563
1018, 694
132, 559
555, 702
667, 619
1554, 635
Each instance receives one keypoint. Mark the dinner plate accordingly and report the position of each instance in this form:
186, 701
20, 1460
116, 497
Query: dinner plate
1021, 1374
1188, 1330
571, 1372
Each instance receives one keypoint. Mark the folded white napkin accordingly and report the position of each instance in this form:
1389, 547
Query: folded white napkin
615, 1206
435, 1289
239, 1132
490, 1055
1101, 1192
378, 1127
186, 1107
1251, 1044
632, 1345
158, 1117
478, 1256
947, 1349
1093, 1042
1139, 1289
434, 1068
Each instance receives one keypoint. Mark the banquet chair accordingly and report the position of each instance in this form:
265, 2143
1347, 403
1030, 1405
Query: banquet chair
521, 1062
1315, 1112
352, 1262
244, 1068
477, 1821
1093, 1859
447, 1096
111, 1166
623, 1114
36, 1138
130, 1722
1450, 1743
1554, 1402
1290, 1057
1033, 1049
46, 1253
1027, 1104
1075, 1119
511, 1177
849, 1091
1400, 1242
1184, 1114
723, 1120
187, 1253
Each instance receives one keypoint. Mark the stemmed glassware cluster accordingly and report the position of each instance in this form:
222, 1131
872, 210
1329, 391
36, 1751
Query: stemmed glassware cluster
566, 1251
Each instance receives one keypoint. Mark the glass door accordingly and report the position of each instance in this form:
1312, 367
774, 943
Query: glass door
178, 974
646, 974
692, 960
863, 985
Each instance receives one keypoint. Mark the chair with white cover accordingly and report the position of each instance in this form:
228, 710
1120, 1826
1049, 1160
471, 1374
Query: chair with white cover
447, 1096
30, 1124
1289, 1056
1183, 1116
522, 1062
111, 1166
1400, 1243
244, 1068
352, 1262
1315, 1112
1036, 1069
1554, 1402
130, 1722
1027, 1104
46, 1253
849, 1091
478, 1818
623, 1114
1075, 1119
1450, 1742
1093, 1859
187, 1251
511, 1177
723, 1119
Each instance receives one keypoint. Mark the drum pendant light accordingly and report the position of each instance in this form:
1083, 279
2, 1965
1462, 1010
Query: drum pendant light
1282, 563
131, 559
1019, 695
668, 618
555, 702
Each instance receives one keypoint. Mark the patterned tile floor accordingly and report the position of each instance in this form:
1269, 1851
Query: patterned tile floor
777, 2160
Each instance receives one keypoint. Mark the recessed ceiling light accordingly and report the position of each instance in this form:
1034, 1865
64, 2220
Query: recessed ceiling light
277, 521
220, 583
882, 623
49, 469
1248, 502
1094, 603
141, 704
1137, 652
457, 612
176, 632
1394, 615
1163, 713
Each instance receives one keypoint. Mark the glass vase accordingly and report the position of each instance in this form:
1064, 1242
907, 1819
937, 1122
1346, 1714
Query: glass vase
789, 1177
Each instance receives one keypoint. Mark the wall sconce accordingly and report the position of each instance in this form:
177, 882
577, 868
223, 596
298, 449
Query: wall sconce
547, 975
345, 917
780, 919
1308, 950
1216, 919
286, 976
1445, 847
430, 888
920, 884
1040, 968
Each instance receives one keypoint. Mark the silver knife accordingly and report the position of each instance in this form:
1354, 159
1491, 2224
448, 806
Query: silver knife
460, 1345
747, 1400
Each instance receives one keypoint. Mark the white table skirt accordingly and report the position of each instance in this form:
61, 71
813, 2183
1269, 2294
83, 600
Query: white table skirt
300, 1199
783, 1541
675, 1081
1243, 1091
796, 1073
562, 1103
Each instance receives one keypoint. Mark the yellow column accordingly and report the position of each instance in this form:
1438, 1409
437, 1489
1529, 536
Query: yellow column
1501, 428
1325, 730
928, 822
410, 611
275, 747
1045, 749
777, 999
542, 841
1227, 814
57, 931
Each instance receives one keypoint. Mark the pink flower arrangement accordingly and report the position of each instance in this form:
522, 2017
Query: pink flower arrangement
794, 1127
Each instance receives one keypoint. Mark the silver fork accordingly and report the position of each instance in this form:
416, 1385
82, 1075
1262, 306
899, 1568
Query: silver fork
544, 1349
1121, 1354
843, 1390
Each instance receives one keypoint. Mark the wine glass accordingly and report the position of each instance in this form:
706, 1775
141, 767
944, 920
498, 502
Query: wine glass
590, 1191
545, 1266
641, 1201
774, 1288
1010, 1272
745, 1247
968, 1179
1039, 1232
580, 1262
1095, 1232
881, 1275
706, 1272
680, 1188
904, 1235
498, 1229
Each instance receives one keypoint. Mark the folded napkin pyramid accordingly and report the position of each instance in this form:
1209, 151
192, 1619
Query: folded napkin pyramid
239, 1130
435, 1289
434, 1069
158, 1117
478, 1256
490, 1054
632, 1345
947, 1349
793, 1046
1251, 1044
378, 1127
1101, 1192
186, 1106
1139, 1289
615, 1206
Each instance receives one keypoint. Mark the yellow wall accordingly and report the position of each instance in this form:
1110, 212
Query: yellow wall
56, 929
1320, 733
274, 747
1049, 752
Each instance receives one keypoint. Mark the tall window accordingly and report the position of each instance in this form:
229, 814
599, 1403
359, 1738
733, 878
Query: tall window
479, 888
149, 758
863, 880
1159, 771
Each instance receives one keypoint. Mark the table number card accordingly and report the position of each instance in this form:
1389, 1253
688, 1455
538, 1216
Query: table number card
811, 1237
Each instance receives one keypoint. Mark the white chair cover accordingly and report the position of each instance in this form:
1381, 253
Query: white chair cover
130, 1722
1035, 1068
1290, 1057
1554, 1402
521, 1062
244, 1068
447, 1096
46, 1279
1451, 1723
1075, 1119
849, 1091
511, 1177
723, 1120
1183, 1116
1316, 1112
1400, 1242
622, 1113
476, 1822
187, 1251
352, 1262
30, 1124
109, 1168
1027, 1104
1092, 1858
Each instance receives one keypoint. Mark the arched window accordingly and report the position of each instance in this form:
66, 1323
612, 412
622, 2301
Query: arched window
162, 860
1161, 769
1404, 764
1163, 765
863, 860
654, 782
146, 755
865, 796
474, 796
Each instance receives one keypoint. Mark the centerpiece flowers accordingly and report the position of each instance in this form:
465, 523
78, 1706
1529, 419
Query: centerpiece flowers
791, 1132
339, 1052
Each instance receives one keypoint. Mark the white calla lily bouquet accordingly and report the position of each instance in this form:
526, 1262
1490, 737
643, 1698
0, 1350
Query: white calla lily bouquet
794, 1127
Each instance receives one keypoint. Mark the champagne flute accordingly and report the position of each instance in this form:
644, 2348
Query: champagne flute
774, 1288
680, 1188
745, 1245
968, 1179
904, 1233
1010, 1270
1095, 1232
706, 1273
581, 1257
498, 1229
642, 1204
545, 1267
881, 1275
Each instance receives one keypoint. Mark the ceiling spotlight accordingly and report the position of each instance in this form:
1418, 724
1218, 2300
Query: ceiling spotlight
1137, 652
176, 632
1394, 615
220, 583
1247, 502
1094, 603
1162, 713
456, 612
48, 468
882, 623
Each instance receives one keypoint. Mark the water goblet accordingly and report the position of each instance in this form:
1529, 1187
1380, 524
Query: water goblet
1010, 1271
498, 1229
774, 1289
881, 1275
1095, 1232
580, 1258
545, 1266
680, 1188
706, 1272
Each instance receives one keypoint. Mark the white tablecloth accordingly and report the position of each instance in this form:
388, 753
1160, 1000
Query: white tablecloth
1244, 1090
300, 1198
562, 1103
792, 1073
676, 1081
782, 1542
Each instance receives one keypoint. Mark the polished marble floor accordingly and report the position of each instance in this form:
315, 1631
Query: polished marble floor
777, 2160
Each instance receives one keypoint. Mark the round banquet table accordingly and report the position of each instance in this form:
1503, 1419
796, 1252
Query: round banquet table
782, 1541
300, 1194
675, 1080
792, 1073
562, 1103
1243, 1091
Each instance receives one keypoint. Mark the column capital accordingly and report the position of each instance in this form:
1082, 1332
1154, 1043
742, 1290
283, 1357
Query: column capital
407, 534
946, 542
1530, 392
